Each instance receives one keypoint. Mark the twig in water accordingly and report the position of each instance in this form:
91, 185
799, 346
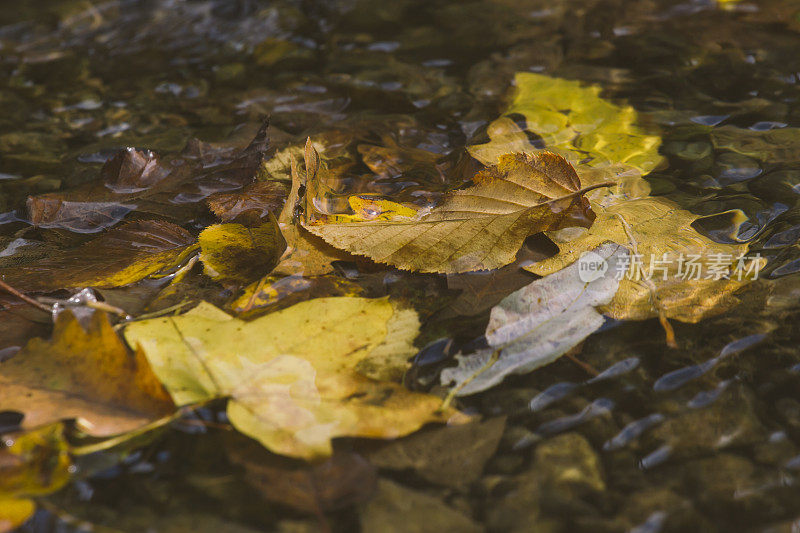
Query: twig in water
25, 298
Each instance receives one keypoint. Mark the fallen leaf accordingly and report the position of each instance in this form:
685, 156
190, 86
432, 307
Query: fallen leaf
291, 375
537, 324
451, 456
396, 508
305, 254
341, 481
88, 375
139, 181
393, 160
482, 290
18, 323
602, 139
281, 291
478, 228
253, 202
31, 464
118, 257
233, 253
658, 227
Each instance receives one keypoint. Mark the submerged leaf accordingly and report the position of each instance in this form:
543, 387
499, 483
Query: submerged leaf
255, 201
234, 253
339, 482
452, 456
773, 146
87, 375
31, 464
291, 376
478, 228
537, 324
118, 257
574, 121
397, 509
138, 181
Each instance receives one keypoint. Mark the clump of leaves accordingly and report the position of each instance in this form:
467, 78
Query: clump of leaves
481, 227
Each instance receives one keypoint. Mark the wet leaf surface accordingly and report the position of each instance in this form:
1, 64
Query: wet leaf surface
87, 375
481, 227
292, 376
120, 256
31, 464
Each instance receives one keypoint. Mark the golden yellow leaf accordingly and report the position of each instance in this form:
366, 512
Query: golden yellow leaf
31, 464
238, 254
89, 375
657, 227
481, 227
291, 376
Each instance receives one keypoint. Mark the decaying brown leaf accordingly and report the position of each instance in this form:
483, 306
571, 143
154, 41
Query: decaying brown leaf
118, 257
139, 181
478, 228
89, 375
336, 483
252, 203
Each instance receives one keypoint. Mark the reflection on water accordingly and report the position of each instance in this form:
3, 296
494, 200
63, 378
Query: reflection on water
702, 438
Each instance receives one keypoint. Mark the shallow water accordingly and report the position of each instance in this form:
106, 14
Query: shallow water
703, 437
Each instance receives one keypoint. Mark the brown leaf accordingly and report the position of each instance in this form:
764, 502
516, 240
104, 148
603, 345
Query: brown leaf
89, 375
138, 181
251, 204
481, 227
118, 257
452, 456
340, 481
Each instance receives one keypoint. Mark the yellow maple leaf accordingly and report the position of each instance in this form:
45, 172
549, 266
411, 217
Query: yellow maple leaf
293, 378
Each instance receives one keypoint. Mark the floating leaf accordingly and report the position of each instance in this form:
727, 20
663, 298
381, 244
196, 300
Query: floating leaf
291, 376
658, 227
537, 324
31, 464
306, 254
478, 228
118, 257
89, 375
237, 254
